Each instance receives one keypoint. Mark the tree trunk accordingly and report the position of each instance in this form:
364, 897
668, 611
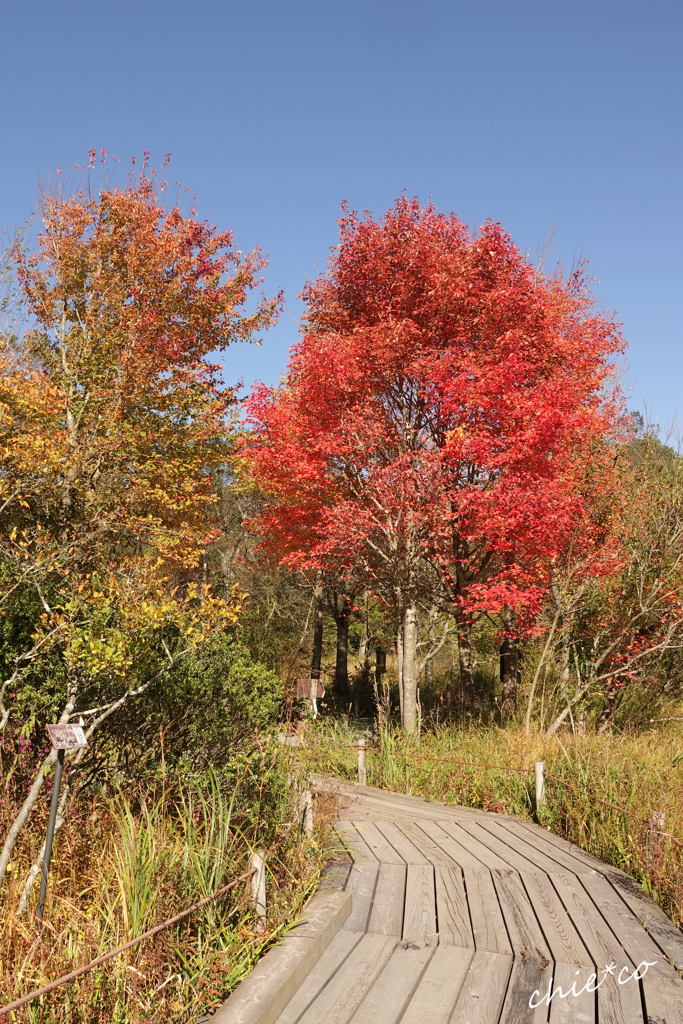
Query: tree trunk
410, 670
509, 676
429, 663
317, 656
341, 669
399, 659
466, 663
609, 707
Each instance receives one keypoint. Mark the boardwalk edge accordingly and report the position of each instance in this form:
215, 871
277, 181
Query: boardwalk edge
262, 996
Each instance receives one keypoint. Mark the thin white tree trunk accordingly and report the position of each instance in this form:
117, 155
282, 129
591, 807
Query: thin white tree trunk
410, 670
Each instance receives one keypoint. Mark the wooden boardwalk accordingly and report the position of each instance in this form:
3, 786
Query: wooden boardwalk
459, 916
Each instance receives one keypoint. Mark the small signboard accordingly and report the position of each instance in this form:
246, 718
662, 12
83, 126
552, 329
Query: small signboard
313, 689
67, 737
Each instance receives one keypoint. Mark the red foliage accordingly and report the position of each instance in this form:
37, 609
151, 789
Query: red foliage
440, 410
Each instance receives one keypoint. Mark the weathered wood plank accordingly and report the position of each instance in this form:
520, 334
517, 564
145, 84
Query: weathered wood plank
491, 838
458, 854
562, 937
431, 850
619, 1004
524, 933
410, 853
355, 843
572, 1009
381, 847
483, 991
362, 882
393, 989
473, 845
341, 997
441, 984
527, 977
327, 966
653, 919
488, 925
451, 908
572, 857
538, 855
386, 916
663, 1000
632, 935
419, 918
601, 943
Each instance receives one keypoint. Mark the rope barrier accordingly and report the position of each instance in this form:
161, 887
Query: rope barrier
615, 807
140, 938
528, 771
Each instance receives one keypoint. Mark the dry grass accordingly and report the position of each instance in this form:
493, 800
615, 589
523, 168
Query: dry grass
125, 863
640, 773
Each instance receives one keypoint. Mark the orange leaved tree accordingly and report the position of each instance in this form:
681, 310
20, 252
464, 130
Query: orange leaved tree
114, 424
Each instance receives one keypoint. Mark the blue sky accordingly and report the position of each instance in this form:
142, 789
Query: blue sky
542, 115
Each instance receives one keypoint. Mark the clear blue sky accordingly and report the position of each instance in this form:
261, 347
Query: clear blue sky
539, 114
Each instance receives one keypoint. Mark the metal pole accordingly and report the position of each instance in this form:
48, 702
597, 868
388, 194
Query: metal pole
539, 769
48, 840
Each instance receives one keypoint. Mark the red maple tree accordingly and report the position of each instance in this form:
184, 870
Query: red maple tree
435, 421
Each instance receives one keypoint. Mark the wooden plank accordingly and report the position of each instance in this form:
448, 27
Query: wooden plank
441, 984
619, 1004
355, 843
603, 947
431, 850
451, 908
635, 939
419, 918
401, 843
572, 1009
538, 855
342, 996
494, 841
458, 854
381, 847
653, 919
392, 991
386, 917
327, 966
362, 882
483, 991
488, 925
572, 857
663, 1000
524, 933
473, 845
527, 977
562, 937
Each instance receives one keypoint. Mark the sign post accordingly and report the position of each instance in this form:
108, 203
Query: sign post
63, 738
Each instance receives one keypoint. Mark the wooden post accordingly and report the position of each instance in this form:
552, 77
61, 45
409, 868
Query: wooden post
362, 773
45, 867
654, 844
258, 888
306, 807
539, 772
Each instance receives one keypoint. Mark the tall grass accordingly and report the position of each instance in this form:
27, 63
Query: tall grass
639, 773
127, 862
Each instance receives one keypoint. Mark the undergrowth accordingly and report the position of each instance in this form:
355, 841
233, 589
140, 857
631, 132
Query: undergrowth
639, 773
127, 861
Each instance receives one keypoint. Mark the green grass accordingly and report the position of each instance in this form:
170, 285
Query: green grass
640, 773
124, 863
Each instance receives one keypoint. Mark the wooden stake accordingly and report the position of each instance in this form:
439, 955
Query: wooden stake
362, 773
539, 772
306, 807
258, 888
